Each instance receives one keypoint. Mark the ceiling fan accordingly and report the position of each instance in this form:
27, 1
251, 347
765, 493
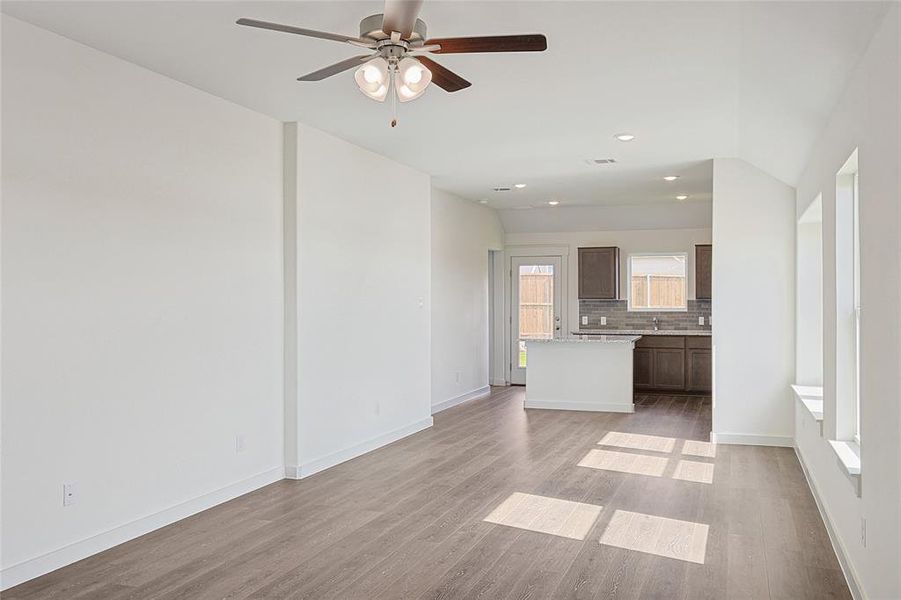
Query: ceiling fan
398, 43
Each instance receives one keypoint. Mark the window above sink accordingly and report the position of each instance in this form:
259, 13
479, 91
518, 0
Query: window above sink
658, 281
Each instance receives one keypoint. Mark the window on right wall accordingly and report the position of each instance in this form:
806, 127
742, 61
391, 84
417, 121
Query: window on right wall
847, 300
856, 267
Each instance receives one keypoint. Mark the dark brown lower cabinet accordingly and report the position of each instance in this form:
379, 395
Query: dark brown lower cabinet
669, 369
698, 370
672, 363
643, 369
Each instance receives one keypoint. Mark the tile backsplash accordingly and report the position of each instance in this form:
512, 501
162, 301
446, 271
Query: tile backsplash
619, 317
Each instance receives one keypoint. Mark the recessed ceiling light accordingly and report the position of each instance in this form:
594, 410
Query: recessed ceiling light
681, 197
671, 177
519, 186
483, 202
554, 202
624, 137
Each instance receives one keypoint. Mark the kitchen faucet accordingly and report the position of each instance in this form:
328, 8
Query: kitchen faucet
656, 324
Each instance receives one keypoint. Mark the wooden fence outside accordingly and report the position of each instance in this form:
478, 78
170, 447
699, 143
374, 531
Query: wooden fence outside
536, 306
536, 300
666, 291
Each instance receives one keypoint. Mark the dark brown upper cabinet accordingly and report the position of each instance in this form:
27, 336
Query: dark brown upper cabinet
703, 271
599, 273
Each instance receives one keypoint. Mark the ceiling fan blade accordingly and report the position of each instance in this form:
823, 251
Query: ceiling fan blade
344, 65
415, 51
444, 78
491, 43
337, 37
400, 16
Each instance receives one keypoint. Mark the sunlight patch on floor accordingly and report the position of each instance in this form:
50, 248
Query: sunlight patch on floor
670, 538
695, 448
563, 518
690, 470
624, 462
638, 441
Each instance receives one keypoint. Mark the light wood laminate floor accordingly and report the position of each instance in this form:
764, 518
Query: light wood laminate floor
679, 518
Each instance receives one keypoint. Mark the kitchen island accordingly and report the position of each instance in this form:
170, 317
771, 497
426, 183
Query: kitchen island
589, 373
668, 360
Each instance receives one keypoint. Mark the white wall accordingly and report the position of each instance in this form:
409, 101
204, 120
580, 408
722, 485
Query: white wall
142, 300
809, 297
362, 301
628, 241
691, 214
462, 235
753, 305
867, 117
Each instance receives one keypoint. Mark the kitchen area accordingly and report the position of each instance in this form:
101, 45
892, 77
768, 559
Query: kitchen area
649, 336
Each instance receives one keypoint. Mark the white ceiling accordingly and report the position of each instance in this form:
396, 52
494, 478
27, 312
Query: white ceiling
691, 80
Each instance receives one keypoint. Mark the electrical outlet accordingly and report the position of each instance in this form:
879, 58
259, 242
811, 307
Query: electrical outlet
863, 532
240, 444
584, 320
700, 320
70, 493
603, 320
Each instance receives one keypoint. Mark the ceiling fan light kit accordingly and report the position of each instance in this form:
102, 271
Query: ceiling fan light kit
411, 79
398, 41
372, 79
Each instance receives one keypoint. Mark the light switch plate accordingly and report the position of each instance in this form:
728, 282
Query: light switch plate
584, 320
603, 320
700, 320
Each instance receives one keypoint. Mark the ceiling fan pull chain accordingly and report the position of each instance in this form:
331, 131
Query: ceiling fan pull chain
393, 84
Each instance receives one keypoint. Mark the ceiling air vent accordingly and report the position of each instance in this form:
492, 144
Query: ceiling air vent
501, 189
600, 161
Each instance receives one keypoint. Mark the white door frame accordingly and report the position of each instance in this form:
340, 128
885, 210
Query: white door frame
511, 252
497, 371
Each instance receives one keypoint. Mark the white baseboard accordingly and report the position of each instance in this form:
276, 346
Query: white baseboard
450, 402
586, 406
40, 565
320, 464
837, 546
501, 382
750, 439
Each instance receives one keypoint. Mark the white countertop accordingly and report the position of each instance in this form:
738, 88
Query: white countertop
594, 339
639, 332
